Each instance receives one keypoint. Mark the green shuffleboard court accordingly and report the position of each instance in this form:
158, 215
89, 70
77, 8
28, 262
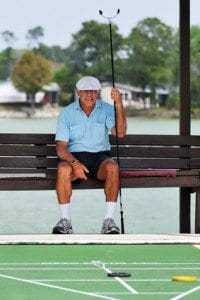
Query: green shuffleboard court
60, 272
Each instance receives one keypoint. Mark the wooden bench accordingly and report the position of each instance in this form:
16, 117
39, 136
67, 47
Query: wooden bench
29, 162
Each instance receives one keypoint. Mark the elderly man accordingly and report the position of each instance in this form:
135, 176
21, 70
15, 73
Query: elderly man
82, 144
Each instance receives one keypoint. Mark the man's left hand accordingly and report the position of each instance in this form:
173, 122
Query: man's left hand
116, 96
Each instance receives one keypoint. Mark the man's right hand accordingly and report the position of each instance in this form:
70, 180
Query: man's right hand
79, 171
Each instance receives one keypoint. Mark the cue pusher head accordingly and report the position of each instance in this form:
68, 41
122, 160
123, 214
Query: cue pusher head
111, 17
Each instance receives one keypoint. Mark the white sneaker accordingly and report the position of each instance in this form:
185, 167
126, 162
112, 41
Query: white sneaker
109, 227
64, 226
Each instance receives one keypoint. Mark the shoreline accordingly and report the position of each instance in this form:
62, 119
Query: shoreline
158, 113
53, 112
25, 113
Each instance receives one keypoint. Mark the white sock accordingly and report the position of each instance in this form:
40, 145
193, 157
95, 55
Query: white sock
65, 211
110, 208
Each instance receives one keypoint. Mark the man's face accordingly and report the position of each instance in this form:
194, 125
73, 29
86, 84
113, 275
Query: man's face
88, 97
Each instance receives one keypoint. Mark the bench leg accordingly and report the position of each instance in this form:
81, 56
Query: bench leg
185, 210
197, 211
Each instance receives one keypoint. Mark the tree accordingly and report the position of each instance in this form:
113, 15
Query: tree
195, 65
150, 46
54, 53
9, 59
67, 79
30, 74
89, 51
8, 37
34, 36
4, 65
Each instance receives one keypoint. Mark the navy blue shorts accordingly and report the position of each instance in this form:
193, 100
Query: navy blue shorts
92, 161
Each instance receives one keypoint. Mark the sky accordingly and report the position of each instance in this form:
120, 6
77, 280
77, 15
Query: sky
61, 18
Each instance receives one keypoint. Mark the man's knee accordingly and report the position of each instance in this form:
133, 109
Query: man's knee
111, 169
64, 170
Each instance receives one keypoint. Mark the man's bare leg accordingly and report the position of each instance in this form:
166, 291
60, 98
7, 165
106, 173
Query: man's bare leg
64, 192
109, 171
64, 183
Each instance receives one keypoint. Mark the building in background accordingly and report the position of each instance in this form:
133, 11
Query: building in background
52, 91
134, 96
9, 94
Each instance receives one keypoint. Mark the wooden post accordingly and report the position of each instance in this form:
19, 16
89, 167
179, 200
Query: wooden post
197, 214
185, 106
184, 210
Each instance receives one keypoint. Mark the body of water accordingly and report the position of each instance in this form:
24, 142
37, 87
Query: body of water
145, 210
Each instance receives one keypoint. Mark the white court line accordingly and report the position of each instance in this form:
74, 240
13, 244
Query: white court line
113, 263
141, 293
196, 246
89, 263
57, 287
48, 269
101, 266
93, 269
186, 293
104, 280
156, 269
152, 263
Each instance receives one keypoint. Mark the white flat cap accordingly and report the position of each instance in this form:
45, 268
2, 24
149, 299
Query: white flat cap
88, 83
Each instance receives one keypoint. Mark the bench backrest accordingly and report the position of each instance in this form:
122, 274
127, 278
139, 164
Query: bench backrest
159, 152
33, 152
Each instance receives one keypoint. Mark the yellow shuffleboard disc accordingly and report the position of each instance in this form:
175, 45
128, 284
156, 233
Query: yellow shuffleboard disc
184, 278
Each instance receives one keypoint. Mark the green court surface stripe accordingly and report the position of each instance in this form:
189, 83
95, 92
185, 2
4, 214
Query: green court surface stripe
83, 253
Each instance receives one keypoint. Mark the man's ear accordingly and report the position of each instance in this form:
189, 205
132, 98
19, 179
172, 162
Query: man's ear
77, 91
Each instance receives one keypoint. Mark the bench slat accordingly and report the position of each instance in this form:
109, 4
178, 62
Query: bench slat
31, 138
156, 152
154, 163
163, 140
195, 152
40, 162
28, 138
24, 150
28, 162
195, 163
137, 182
26, 170
146, 182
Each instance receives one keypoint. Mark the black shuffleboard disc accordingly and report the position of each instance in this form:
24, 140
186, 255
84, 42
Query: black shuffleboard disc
119, 274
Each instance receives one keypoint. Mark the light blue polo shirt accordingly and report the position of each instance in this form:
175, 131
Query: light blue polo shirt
84, 133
